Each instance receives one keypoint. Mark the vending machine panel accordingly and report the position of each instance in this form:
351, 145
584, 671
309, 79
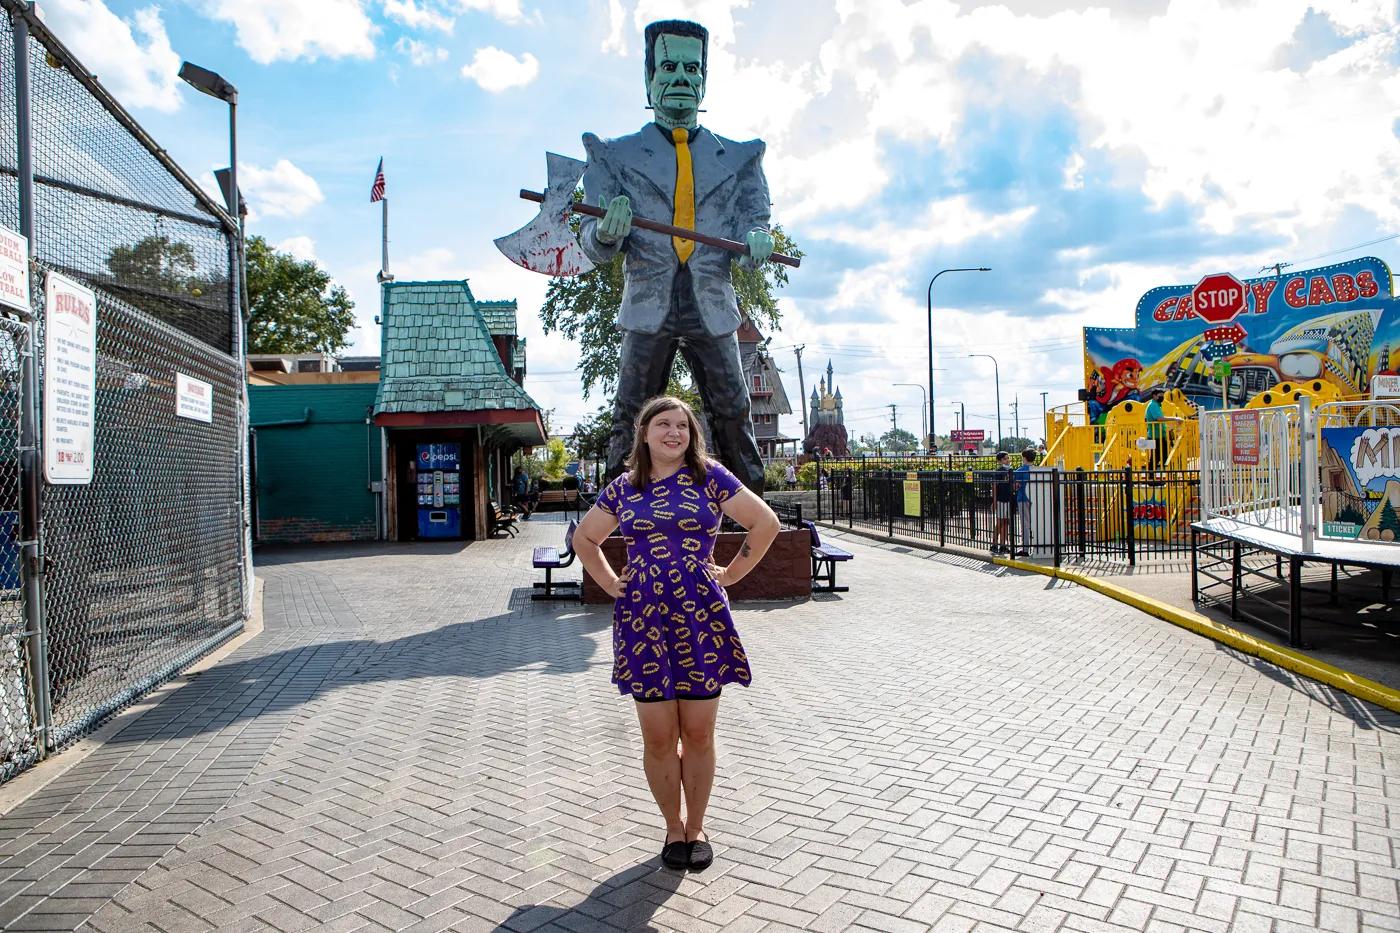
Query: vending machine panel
439, 491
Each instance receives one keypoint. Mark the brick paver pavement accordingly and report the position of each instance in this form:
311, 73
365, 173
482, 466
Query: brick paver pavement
413, 745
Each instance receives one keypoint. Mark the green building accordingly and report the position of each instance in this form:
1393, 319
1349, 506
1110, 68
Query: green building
335, 448
315, 457
452, 374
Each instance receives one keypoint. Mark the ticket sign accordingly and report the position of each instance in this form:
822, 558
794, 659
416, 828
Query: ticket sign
1244, 437
14, 270
70, 366
193, 399
911, 494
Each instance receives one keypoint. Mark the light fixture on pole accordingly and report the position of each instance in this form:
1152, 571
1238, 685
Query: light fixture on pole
931, 430
996, 371
215, 85
923, 418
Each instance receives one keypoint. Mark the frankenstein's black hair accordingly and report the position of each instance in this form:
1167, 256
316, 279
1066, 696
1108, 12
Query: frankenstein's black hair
676, 27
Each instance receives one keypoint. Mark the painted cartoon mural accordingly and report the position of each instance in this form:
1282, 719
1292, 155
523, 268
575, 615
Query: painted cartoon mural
1338, 323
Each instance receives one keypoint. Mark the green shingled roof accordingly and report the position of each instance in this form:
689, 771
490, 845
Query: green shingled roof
499, 317
438, 354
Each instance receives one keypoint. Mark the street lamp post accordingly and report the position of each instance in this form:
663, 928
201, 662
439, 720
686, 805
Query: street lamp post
996, 371
931, 431
207, 82
923, 419
1044, 416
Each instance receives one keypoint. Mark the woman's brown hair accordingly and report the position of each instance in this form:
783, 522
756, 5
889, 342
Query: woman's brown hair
639, 461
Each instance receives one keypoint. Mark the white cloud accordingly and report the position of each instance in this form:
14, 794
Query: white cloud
496, 71
420, 53
285, 30
133, 58
617, 22
281, 191
301, 247
504, 10
414, 16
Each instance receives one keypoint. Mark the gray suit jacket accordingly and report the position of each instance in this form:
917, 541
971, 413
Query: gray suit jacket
731, 198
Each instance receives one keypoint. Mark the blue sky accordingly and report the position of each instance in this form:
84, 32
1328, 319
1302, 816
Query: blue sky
1085, 153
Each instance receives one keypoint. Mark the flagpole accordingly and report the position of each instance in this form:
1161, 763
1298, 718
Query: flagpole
384, 263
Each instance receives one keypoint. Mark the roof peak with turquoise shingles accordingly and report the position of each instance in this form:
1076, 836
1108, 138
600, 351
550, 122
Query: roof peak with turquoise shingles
500, 316
438, 354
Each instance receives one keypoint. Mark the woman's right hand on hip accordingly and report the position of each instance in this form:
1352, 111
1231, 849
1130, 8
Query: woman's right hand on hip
617, 586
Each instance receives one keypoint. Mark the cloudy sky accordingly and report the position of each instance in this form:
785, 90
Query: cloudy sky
1086, 152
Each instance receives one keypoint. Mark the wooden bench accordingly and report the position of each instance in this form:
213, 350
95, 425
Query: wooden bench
824, 559
502, 520
549, 560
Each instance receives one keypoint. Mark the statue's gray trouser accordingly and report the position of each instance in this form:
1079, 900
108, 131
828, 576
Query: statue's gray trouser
719, 375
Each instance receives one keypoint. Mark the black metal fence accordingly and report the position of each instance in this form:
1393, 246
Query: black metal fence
109, 587
1048, 514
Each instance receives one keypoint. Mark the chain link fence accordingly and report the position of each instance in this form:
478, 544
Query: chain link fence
143, 568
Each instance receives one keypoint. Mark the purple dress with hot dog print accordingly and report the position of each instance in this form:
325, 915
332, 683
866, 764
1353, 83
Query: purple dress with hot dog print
673, 635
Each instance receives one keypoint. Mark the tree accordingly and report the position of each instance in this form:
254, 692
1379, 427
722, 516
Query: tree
1389, 524
159, 276
556, 458
1015, 444
584, 308
295, 306
898, 439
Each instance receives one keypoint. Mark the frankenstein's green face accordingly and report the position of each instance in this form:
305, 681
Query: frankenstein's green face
677, 86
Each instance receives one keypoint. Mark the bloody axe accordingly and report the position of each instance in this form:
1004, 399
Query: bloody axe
547, 245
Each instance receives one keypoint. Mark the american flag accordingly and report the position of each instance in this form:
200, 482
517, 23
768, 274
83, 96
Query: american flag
377, 192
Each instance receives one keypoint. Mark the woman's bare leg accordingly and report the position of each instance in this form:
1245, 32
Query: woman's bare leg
697, 723
660, 731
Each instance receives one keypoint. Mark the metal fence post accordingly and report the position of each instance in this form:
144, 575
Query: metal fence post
1080, 509
1055, 512
1128, 514
889, 500
31, 482
942, 512
797, 511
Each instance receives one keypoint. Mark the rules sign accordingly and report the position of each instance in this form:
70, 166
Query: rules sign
70, 365
1244, 437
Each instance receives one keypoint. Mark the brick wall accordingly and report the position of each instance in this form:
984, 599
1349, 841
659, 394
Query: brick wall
308, 530
784, 573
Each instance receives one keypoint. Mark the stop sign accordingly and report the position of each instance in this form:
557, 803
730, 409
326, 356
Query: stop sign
1218, 298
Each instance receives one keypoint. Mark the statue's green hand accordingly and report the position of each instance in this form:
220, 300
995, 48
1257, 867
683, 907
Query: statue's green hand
617, 222
760, 243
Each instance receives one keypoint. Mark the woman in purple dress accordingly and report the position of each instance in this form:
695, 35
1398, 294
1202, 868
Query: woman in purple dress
674, 642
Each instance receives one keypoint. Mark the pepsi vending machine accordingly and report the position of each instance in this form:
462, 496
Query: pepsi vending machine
439, 491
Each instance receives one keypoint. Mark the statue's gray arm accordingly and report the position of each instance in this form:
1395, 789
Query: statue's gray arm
598, 183
752, 208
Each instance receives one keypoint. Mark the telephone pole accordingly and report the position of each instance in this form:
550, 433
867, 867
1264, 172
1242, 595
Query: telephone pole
801, 390
894, 422
1016, 412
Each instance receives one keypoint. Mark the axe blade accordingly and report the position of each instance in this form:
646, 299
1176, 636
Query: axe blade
546, 244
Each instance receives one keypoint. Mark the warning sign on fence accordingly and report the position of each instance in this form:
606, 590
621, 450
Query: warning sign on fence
1244, 438
911, 494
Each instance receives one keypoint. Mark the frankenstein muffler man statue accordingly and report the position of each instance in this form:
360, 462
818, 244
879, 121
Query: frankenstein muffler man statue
679, 294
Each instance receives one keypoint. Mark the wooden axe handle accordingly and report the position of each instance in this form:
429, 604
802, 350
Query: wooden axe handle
733, 246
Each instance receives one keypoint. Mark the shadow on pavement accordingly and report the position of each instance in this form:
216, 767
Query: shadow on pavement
234, 691
626, 901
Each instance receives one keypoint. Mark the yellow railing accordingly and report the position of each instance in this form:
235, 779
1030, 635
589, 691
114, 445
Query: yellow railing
1076, 444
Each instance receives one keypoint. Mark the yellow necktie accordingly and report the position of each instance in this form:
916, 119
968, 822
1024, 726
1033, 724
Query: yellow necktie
685, 193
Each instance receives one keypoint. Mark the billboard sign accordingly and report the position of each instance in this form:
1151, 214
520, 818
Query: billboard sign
1360, 471
1339, 324
975, 436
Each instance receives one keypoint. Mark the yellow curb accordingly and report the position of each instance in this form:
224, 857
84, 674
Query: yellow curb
1320, 671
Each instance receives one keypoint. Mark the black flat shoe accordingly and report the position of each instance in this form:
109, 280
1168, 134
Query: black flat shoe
676, 855
701, 855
